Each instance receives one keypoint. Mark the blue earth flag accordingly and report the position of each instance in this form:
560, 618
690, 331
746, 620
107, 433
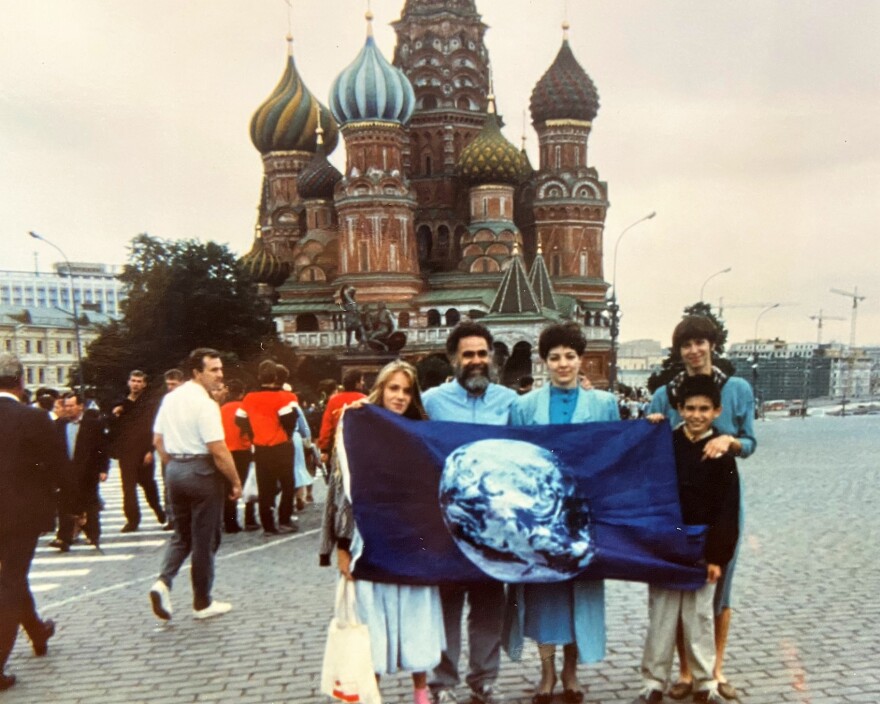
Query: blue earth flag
437, 502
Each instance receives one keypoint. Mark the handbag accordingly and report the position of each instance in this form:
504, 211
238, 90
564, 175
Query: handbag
250, 492
347, 674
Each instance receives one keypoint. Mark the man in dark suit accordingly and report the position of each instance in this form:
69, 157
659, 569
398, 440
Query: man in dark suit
86, 443
30, 461
131, 432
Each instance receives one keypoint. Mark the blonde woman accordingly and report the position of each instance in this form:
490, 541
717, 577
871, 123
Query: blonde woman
405, 622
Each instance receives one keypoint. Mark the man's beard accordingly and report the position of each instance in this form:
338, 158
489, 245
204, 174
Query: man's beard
474, 377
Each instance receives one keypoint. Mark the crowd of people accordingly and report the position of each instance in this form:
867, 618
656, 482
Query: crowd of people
217, 443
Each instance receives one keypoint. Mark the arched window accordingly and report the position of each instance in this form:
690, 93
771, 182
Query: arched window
555, 264
452, 317
424, 243
433, 318
428, 164
306, 322
403, 319
443, 240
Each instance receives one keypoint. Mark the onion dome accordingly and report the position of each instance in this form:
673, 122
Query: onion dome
370, 88
319, 177
264, 267
287, 120
490, 158
565, 91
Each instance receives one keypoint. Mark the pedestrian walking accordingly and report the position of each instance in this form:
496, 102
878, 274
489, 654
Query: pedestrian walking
32, 457
268, 416
190, 440
131, 430
85, 440
471, 397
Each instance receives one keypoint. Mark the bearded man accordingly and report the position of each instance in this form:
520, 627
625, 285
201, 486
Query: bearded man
471, 397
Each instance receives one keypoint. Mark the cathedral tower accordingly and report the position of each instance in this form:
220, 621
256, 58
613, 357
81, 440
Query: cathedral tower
441, 50
570, 202
376, 205
283, 130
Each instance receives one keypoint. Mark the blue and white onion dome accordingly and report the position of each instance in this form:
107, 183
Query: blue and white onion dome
371, 89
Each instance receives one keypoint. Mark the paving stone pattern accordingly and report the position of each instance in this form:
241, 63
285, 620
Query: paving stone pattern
806, 626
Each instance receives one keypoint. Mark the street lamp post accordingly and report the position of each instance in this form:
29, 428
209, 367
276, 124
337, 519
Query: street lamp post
758, 401
79, 366
614, 308
717, 273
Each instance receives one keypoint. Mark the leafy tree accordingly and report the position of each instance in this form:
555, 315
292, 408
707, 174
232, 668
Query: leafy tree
672, 365
182, 294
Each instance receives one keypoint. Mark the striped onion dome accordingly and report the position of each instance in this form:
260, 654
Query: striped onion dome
490, 157
264, 267
565, 91
320, 177
287, 120
370, 88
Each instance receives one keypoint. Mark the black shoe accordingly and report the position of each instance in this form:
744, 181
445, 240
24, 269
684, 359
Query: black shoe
41, 644
232, 528
128, 528
251, 526
288, 527
161, 517
572, 696
270, 531
6, 681
651, 696
57, 543
168, 526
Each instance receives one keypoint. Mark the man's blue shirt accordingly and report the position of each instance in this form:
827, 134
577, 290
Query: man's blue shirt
451, 402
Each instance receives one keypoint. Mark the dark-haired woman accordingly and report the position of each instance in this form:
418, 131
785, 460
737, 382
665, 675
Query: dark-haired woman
694, 338
405, 622
571, 613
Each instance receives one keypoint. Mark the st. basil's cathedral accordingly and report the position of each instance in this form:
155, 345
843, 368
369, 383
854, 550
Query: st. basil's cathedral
437, 214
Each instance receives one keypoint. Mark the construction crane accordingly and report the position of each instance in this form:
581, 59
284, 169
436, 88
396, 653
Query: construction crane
820, 317
847, 391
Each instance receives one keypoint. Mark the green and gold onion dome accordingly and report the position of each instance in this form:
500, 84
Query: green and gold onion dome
288, 119
370, 89
565, 91
490, 157
262, 266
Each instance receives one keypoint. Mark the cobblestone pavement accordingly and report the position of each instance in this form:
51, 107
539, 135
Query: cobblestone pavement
806, 625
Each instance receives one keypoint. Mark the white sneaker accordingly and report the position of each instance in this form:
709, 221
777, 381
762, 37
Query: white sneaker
160, 597
217, 608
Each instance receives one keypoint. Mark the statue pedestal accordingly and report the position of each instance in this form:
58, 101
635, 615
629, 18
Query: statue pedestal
368, 362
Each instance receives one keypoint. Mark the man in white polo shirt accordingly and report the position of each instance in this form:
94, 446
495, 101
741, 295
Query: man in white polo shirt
188, 434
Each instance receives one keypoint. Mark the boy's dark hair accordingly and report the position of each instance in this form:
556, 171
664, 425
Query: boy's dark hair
694, 327
468, 329
526, 380
561, 335
698, 385
266, 372
235, 388
352, 378
47, 391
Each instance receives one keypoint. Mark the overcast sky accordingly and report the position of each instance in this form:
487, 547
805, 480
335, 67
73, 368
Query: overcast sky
751, 127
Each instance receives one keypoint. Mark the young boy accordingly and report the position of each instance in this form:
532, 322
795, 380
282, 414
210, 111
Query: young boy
709, 494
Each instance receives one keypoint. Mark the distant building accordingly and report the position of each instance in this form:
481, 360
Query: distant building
637, 360
788, 371
94, 285
44, 339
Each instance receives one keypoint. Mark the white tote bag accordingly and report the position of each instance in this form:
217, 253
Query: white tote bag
250, 492
348, 674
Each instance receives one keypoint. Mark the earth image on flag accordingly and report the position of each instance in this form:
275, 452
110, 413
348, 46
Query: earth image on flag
514, 513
